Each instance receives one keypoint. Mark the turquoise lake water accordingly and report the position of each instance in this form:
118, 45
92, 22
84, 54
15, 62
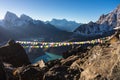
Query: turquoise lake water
47, 57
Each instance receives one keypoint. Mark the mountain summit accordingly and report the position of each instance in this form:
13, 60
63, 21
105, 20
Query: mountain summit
105, 24
112, 19
25, 18
12, 19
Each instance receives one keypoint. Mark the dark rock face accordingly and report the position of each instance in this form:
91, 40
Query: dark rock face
61, 73
74, 51
2, 72
30, 74
13, 53
56, 73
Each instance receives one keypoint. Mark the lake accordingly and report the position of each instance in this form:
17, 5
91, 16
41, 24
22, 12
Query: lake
48, 57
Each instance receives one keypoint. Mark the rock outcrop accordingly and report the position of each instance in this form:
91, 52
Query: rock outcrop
114, 38
101, 62
13, 53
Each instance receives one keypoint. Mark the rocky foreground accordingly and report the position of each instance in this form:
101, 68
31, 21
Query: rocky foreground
99, 62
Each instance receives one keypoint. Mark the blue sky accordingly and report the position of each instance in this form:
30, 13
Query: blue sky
81, 11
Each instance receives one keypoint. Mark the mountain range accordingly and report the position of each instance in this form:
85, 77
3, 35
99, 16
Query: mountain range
23, 27
64, 24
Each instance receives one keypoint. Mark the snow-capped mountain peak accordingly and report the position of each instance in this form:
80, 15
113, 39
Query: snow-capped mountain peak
25, 17
112, 18
105, 23
10, 17
118, 7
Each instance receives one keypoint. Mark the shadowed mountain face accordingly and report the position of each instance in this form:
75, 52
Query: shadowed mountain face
25, 27
3, 34
105, 24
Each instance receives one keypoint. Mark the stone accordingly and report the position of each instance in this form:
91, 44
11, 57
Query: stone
13, 53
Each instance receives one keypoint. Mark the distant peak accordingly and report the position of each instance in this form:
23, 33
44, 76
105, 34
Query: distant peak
53, 19
25, 17
118, 7
59, 19
10, 16
8, 13
64, 19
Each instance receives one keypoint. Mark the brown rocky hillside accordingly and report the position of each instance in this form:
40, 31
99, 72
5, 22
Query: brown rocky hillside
99, 62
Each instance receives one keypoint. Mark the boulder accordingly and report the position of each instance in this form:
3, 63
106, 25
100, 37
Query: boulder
62, 72
56, 73
29, 72
40, 63
13, 53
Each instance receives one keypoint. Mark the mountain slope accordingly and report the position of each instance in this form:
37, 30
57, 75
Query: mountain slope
4, 34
